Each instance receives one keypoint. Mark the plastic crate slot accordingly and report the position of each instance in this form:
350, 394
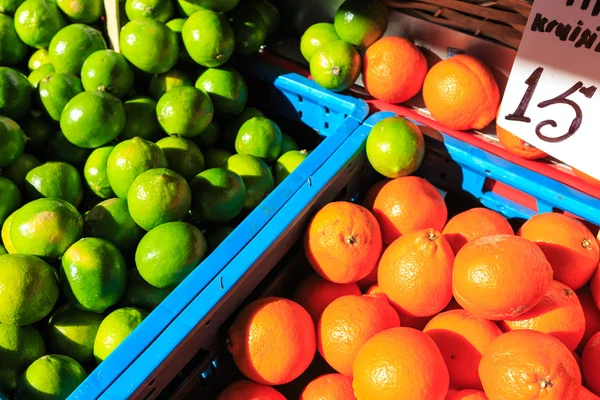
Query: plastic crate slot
300, 113
510, 193
326, 110
326, 125
207, 323
300, 99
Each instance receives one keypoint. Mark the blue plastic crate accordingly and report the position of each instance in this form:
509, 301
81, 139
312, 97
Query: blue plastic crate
334, 117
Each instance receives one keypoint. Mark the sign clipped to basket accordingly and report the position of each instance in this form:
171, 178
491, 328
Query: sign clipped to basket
552, 99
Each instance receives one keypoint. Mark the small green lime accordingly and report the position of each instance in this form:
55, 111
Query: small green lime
107, 71
38, 74
28, 289
114, 329
140, 119
218, 195
186, 9
149, 45
259, 137
9, 6
71, 332
129, 159
56, 91
60, 149
288, 143
361, 22
10, 199
163, 83
216, 158
209, 136
335, 66
83, 11
19, 169
19, 347
38, 58
72, 45
12, 141
141, 294
208, 38
216, 235
45, 228
52, 377
15, 93
183, 156
55, 180
111, 220
37, 21
269, 13
12, 49
5, 234
95, 173
185, 111
233, 125
169, 253
176, 25
395, 147
256, 176
249, 28
287, 163
226, 88
160, 10
217, 5
316, 36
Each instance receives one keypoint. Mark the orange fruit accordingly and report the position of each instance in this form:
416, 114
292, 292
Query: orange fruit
585, 394
347, 323
248, 390
415, 273
595, 288
517, 146
272, 340
408, 321
568, 245
500, 276
408, 204
372, 193
529, 365
466, 394
329, 387
315, 294
461, 93
473, 224
394, 69
343, 242
400, 364
365, 283
591, 313
589, 364
559, 314
586, 178
462, 339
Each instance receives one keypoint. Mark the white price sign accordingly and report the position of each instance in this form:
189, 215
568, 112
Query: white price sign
552, 99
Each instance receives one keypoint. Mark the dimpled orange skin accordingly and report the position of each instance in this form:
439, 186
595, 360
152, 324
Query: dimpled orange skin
315, 294
585, 394
517, 146
559, 314
568, 244
466, 394
500, 276
462, 339
415, 273
461, 93
248, 390
529, 365
272, 340
595, 288
347, 323
400, 364
343, 242
408, 204
473, 224
329, 387
590, 362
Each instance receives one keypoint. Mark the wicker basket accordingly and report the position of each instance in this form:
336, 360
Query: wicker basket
501, 20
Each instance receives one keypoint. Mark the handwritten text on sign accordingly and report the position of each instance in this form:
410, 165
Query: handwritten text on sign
552, 99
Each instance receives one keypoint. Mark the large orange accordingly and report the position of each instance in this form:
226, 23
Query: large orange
466, 394
400, 364
568, 244
394, 69
590, 364
473, 224
462, 339
586, 178
528, 365
365, 283
461, 93
272, 340
372, 193
329, 387
347, 323
517, 146
415, 273
500, 276
559, 314
409, 204
248, 390
343, 242
585, 394
315, 293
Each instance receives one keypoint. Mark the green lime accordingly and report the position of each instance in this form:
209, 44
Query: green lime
95, 173
129, 159
19, 347
288, 143
208, 38
141, 294
72, 45
93, 274
38, 74
140, 119
8, 245
12, 49
185, 111
217, 5
149, 45
56, 91
249, 29
269, 13
2, 252
19, 169
361, 22
287, 163
259, 137
45, 228
216, 158
176, 25
111, 220
218, 195
60, 149
169, 253
9, 6
335, 66
107, 71
226, 88
37, 21
12, 141
186, 8
395, 147
256, 176
83, 11
52, 377
160, 10
216, 235
316, 36
28, 289
71, 332
38, 58
233, 125
183, 156
38, 131
92, 119
55, 180
10, 199
209, 136
114, 329
158, 196
163, 83
15, 93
